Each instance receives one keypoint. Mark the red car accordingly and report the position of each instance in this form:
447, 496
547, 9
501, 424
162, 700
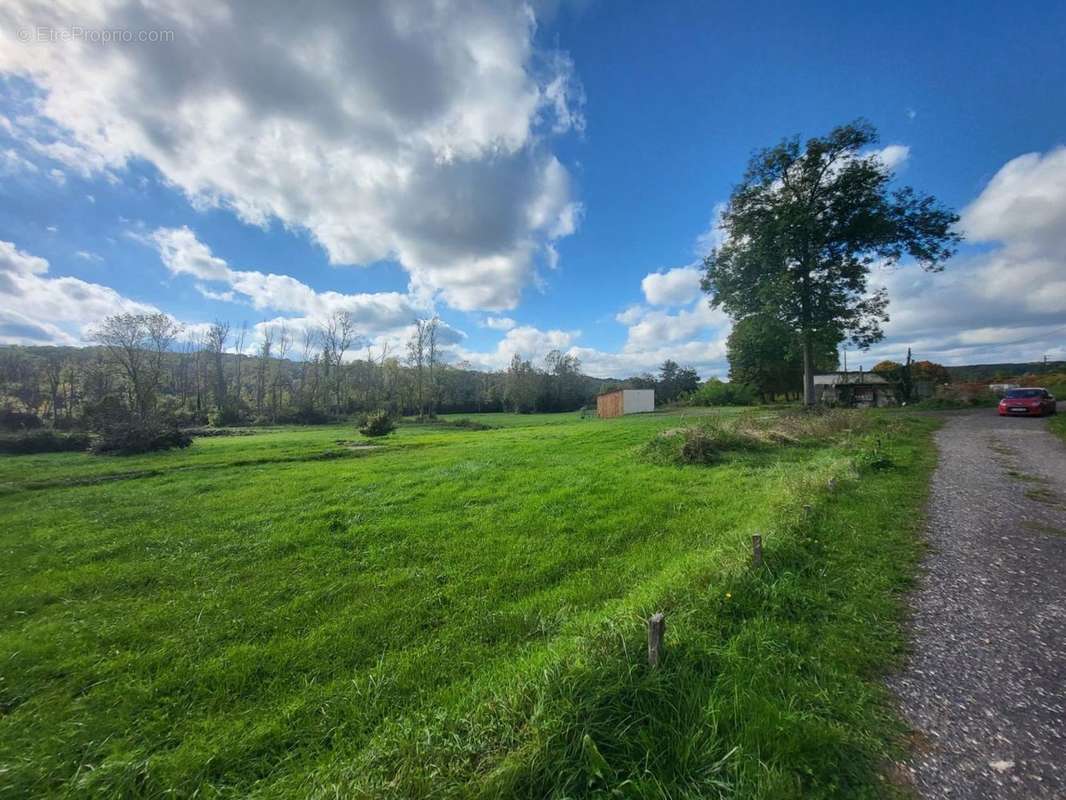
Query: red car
1027, 403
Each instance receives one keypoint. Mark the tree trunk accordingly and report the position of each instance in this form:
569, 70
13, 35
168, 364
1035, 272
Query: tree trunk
808, 370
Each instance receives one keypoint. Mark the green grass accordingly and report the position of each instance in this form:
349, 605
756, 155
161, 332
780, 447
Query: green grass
1057, 423
456, 614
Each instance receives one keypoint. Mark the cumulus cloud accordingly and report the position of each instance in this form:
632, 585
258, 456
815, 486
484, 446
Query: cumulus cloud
500, 323
893, 155
1007, 304
375, 314
526, 341
38, 309
674, 287
693, 336
392, 129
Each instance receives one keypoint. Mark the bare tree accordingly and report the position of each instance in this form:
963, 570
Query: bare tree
432, 356
336, 336
240, 357
138, 343
416, 358
262, 368
53, 373
215, 341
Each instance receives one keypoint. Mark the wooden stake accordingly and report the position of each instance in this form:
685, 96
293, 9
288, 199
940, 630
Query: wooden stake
756, 550
656, 629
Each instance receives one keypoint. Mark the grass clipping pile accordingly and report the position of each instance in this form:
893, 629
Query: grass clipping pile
709, 439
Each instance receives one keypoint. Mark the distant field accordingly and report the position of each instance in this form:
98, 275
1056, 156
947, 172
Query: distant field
456, 613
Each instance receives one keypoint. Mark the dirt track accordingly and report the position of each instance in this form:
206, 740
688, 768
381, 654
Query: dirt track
985, 686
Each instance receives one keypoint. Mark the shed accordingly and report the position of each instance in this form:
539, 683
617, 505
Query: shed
625, 401
862, 389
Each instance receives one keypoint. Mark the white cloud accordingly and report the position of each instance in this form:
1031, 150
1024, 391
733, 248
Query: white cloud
1007, 304
893, 155
1024, 205
394, 129
500, 323
714, 235
674, 287
375, 314
630, 314
706, 356
656, 328
694, 337
529, 343
12, 163
85, 255
38, 309
224, 297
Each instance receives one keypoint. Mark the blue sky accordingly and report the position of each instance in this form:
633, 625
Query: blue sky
541, 176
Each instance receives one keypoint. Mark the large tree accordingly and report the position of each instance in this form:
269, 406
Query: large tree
804, 227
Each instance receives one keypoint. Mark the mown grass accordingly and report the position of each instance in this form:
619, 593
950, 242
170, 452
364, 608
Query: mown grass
456, 614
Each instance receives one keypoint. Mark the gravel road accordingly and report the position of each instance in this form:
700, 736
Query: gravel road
985, 686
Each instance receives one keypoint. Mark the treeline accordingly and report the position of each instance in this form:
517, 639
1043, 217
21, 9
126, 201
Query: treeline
141, 367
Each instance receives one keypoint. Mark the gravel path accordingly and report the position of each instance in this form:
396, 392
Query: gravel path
985, 686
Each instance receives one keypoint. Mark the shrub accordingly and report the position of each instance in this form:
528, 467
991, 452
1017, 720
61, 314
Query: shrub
467, 424
43, 441
959, 395
304, 416
232, 413
11, 420
707, 440
134, 437
718, 393
377, 424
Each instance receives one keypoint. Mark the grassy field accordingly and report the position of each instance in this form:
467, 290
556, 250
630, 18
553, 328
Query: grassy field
1057, 423
455, 613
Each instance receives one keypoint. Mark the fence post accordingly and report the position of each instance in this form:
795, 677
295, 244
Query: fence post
756, 550
656, 629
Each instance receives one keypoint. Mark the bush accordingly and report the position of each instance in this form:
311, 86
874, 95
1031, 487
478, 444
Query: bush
132, 437
469, 424
43, 441
718, 393
11, 420
232, 413
304, 416
377, 424
711, 437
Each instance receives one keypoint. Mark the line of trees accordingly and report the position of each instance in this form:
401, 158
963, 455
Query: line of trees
142, 368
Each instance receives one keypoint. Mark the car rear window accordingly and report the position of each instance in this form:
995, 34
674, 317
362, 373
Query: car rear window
1014, 393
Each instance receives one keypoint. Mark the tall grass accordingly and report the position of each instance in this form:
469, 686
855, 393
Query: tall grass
458, 614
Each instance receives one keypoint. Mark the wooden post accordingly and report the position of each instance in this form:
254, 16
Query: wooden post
756, 550
656, 629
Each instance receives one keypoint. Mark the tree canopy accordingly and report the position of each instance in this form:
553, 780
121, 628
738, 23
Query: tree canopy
804, 228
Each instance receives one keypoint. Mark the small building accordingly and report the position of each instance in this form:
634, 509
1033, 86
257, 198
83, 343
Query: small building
625, 401
856, 389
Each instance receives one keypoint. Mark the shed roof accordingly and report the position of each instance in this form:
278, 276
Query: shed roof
837, 378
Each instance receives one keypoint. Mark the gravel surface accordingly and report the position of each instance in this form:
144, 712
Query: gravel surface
985, 686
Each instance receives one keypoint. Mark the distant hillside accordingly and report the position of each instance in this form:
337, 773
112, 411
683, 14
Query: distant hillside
986, 372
